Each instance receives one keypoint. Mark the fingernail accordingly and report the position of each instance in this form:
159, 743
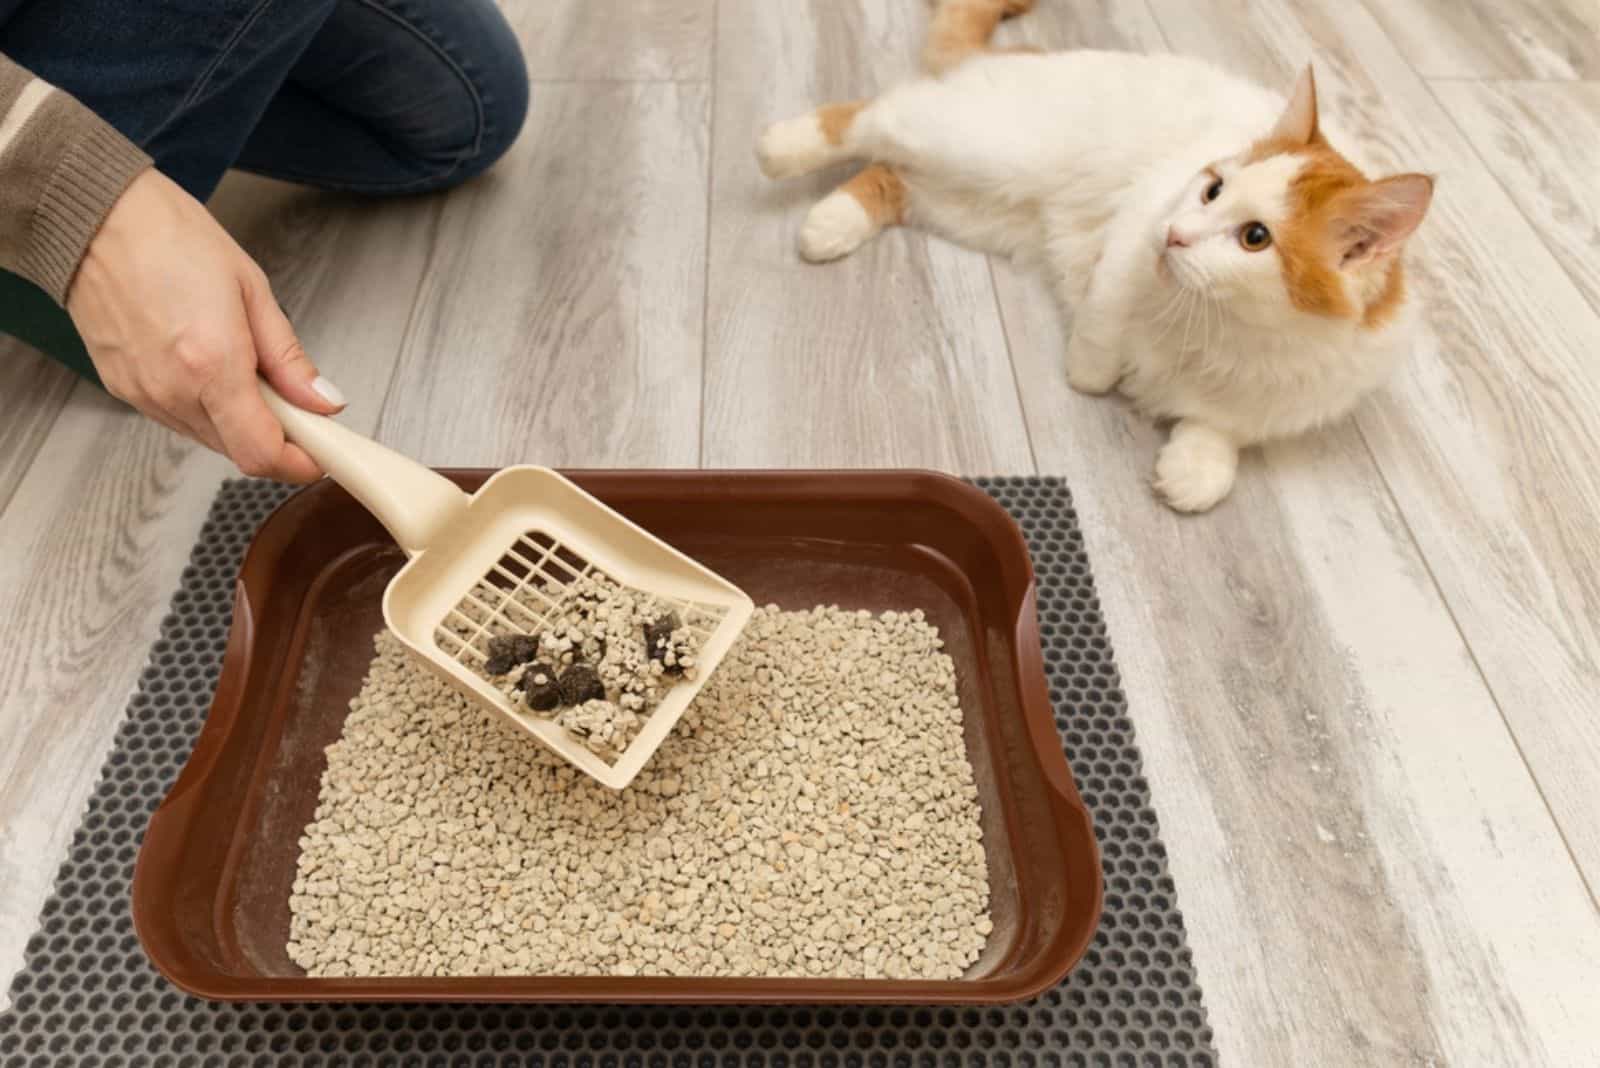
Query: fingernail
328, 392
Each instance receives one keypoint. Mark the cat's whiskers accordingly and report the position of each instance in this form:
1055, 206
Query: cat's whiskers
1208, 294
1169, 314
1162, 321
1202, 292
1230, 274
1190, 306
1188, 322
1209, 277
1176, 310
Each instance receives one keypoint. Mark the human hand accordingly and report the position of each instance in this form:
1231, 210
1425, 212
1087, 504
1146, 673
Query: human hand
179, 321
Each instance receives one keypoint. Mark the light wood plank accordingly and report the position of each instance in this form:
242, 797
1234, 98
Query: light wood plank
1495, 38
560, 319
892, 356
611, 40
1488, 435
1101, 24
101, 525
33, 389
1541, 140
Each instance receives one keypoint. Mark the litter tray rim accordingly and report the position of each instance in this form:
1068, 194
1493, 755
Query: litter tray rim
1082, 880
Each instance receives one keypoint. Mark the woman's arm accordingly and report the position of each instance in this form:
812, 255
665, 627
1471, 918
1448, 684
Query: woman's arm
61, 169
178, 319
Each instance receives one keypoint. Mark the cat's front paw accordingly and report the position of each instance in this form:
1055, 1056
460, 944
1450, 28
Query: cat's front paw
1195, 468
1091, 367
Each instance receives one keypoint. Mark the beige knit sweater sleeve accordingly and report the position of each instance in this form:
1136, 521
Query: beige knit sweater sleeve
61, 169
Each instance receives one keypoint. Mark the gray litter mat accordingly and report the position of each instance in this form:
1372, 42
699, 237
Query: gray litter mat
87, 997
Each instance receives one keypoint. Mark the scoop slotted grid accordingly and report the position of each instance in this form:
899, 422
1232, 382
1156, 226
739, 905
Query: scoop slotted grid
87, 997
527, 589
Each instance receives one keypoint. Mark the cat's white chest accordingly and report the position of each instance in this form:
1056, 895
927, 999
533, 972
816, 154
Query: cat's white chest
1186, 358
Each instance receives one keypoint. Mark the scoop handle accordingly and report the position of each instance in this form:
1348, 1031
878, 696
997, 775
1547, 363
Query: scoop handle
414, 503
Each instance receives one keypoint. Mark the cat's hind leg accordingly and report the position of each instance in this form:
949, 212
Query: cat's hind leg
853, 214
962, 28
808, 142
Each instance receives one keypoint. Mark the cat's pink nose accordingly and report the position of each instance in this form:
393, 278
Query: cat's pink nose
1175, 238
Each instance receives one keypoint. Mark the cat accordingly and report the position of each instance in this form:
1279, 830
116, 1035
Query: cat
1227, 269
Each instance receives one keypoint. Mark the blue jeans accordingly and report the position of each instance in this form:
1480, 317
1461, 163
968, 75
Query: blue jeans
369, 96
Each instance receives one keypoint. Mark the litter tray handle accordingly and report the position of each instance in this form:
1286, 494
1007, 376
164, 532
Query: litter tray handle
413, 502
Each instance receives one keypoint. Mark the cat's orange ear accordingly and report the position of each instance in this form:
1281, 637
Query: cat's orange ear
1373, 220
1298, 124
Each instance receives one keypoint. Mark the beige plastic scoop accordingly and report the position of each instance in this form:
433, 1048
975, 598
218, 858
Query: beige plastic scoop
496, 562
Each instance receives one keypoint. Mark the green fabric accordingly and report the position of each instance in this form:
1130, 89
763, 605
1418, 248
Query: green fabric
28, 313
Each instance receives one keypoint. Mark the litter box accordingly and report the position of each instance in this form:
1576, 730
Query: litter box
211, 887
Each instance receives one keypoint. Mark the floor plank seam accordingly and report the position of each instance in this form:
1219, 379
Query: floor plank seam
1428, 81
1155, 20
434, 221
1477, 666
1011, 361
42, 437
1533, 226
705, 277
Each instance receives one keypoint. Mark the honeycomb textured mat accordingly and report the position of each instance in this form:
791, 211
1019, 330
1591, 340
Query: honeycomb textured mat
88, 998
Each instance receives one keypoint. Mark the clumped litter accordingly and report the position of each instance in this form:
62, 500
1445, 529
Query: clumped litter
598, 668
813, 814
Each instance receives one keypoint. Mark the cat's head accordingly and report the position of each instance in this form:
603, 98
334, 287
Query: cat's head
1290, 227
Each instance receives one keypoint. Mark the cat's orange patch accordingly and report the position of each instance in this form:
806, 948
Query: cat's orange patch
1308, 241
835, 119
1387, 303
881, 194
963, 27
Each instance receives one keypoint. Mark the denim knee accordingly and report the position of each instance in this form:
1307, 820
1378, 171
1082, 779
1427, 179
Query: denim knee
497, 78
502, 82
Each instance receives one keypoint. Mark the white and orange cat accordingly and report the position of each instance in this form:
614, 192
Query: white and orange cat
1226, 268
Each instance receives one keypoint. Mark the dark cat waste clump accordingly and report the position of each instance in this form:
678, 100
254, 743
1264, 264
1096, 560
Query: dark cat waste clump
509, 650
532, 673
521, 647
581, 683
541, 688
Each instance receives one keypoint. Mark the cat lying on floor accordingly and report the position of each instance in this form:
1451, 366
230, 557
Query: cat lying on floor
1226, 268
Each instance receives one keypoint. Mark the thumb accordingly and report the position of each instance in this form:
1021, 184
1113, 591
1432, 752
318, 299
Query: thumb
280, 357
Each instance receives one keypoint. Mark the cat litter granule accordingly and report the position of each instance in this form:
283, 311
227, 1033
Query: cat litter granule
813, 814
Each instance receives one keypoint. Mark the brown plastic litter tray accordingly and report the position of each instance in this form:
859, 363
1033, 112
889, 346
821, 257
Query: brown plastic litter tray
211, 887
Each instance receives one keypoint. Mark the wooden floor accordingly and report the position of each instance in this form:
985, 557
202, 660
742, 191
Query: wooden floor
1367, 688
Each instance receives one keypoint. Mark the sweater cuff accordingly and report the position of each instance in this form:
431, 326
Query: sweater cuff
92, 174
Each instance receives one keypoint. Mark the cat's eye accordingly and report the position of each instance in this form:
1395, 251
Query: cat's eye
1211, 192
1254, 237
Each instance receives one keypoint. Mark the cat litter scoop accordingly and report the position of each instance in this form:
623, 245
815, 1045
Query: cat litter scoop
504, 561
